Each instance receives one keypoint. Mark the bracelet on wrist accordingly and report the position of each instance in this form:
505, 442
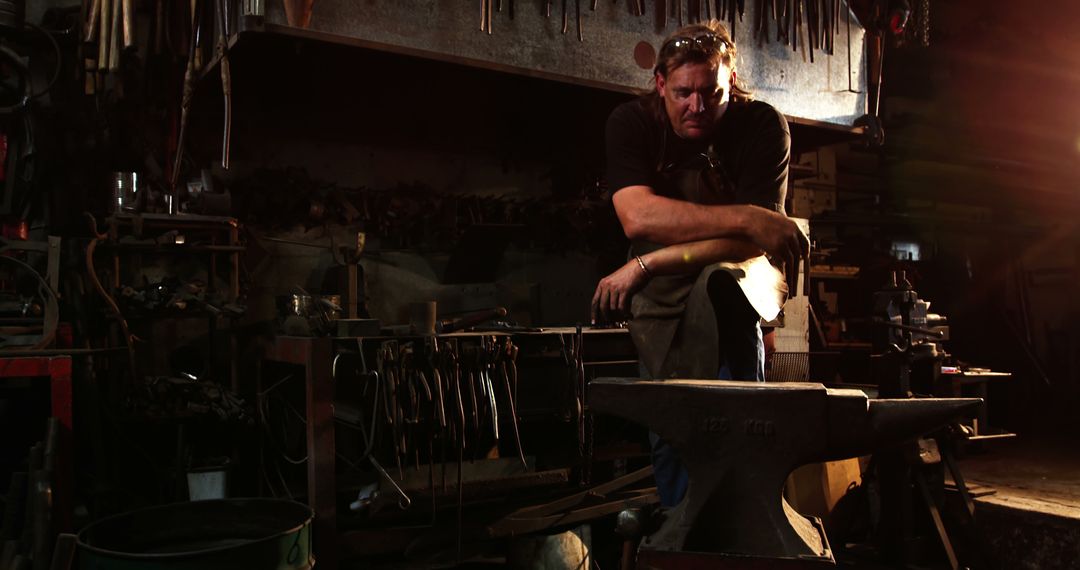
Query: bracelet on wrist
644, 268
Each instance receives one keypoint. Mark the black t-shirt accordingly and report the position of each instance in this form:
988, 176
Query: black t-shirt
750, 150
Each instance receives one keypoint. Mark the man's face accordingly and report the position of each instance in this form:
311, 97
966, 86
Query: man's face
695, 97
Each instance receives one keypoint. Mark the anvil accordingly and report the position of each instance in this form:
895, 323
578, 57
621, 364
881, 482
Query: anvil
739, 442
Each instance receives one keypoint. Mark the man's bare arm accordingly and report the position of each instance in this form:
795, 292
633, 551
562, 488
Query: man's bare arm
611, 299
648, 216
693, 256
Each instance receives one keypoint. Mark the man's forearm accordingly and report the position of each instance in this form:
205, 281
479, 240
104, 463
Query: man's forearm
658, 219
692, 256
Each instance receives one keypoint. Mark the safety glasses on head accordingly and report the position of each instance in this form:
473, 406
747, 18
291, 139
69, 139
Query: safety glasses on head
705, 42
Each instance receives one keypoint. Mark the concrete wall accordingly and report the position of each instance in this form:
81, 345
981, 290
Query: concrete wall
829, 89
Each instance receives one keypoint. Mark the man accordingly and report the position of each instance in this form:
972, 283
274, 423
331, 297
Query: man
700, 174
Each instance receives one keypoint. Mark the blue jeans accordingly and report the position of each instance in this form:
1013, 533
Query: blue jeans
742, 358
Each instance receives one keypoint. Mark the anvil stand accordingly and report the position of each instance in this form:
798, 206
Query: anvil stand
919, 464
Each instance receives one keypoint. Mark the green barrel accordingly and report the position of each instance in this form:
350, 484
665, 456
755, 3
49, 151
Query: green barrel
256, 534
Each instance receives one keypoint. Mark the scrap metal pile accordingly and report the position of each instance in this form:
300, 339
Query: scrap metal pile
168, 397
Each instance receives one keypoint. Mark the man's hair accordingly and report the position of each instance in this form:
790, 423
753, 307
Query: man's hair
674, 53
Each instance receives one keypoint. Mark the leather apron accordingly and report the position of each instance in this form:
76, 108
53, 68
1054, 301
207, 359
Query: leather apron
674, 326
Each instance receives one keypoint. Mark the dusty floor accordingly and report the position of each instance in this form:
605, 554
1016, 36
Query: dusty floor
1035, 473
1032, 519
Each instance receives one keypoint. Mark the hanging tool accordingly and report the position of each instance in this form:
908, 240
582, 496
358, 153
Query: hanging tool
513, 415
115, 31
440, 397
104, 23
189, 91
90, 30
486, 8
494, 405
226, 79
404, 501
577, 8
460, 460
475, 410
128, 23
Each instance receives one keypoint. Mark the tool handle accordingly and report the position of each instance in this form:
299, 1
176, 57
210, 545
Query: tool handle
450, 325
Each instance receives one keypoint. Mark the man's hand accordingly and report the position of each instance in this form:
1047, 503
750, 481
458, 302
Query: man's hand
612, 297
782, 240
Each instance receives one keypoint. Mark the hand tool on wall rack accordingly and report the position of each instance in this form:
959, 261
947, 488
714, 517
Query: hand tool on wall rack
104, 22
128, 23
226, 78
565, 18
577, 8
91, 22
796, 19
759, 21
115, 32
189, 91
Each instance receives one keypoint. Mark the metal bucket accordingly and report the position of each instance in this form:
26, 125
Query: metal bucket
260, 534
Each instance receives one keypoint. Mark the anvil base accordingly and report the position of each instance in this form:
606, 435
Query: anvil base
649, 559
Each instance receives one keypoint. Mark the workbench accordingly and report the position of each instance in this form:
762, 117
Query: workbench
976, 383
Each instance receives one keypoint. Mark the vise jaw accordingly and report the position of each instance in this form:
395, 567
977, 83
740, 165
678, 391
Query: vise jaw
739, 442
